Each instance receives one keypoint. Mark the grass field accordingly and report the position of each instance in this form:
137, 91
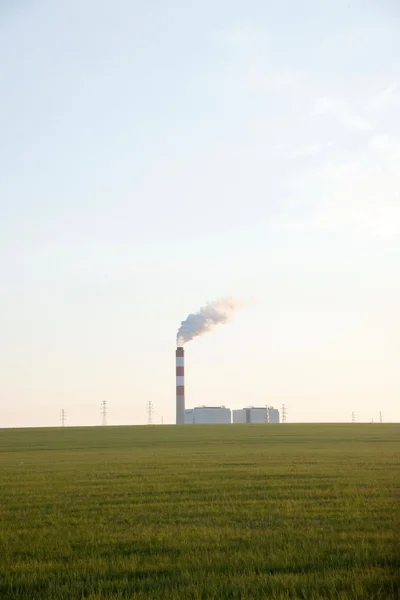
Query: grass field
200, 512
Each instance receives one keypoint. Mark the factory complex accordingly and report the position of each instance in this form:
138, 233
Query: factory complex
202, 415
207, 414
215, 414
256, 414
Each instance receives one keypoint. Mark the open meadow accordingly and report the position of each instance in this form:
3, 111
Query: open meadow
200, 512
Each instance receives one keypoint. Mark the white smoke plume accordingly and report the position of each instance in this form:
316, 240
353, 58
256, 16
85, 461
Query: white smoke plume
205, 319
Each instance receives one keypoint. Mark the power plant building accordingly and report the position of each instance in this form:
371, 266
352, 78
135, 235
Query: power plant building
256, 414
214, 414
273, 415
203, 415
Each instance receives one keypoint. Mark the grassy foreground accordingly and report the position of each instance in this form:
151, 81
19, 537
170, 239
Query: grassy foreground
200, 512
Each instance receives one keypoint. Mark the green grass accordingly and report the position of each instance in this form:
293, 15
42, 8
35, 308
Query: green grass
200, 512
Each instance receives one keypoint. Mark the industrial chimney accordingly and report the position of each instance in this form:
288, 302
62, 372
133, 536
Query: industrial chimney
180, 386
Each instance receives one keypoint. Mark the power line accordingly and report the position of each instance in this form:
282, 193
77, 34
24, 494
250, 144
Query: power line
63, 417
103, 410
150, 413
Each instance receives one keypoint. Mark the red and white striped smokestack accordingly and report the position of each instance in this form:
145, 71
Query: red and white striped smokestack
180, 386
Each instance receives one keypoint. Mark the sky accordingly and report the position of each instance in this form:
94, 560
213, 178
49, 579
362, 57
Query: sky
157, 155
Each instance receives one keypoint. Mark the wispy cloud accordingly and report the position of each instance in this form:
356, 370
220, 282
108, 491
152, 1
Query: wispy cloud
356, 122
340, 110
387, 98
361, 193
316, 128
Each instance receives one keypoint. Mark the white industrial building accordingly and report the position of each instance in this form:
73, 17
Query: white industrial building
273, 414
256, 414
203, 415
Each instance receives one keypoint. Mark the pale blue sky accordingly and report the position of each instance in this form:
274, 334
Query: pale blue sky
156, 155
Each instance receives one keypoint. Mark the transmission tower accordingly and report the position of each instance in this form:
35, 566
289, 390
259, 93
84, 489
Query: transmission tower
150, 413
284, 414
353, 417
103, 410
380, 417
162, 420
266, 413
63, 417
